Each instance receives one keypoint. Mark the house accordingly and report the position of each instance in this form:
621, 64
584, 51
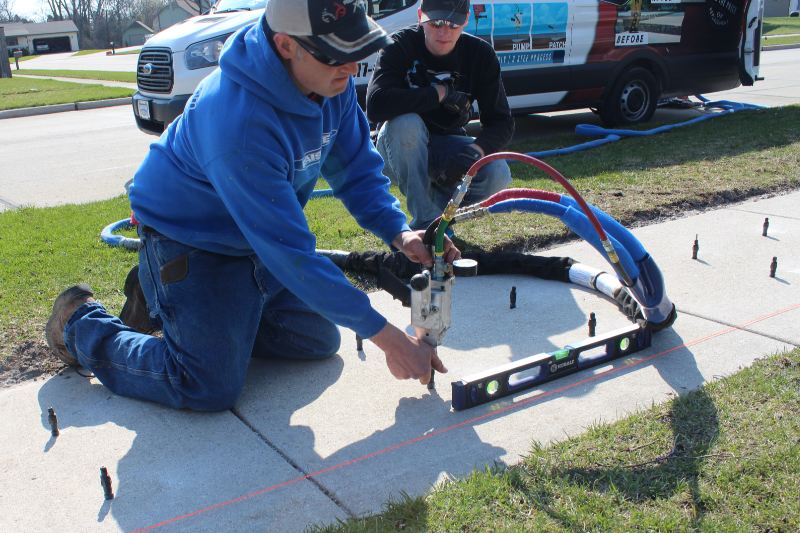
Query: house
42, 37
178, 10
136, 33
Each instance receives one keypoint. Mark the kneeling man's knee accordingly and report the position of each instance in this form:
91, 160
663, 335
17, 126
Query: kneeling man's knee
407, 130
327, 343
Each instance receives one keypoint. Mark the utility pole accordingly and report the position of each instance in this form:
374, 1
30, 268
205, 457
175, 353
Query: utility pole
5, 66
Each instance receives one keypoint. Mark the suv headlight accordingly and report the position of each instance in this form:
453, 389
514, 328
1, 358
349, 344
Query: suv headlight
205, 53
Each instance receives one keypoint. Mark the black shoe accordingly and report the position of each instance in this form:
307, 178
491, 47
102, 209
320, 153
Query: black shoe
63, 308
134, 313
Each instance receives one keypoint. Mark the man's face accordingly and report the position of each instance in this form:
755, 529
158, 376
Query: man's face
440, 40
310, 74
313, 76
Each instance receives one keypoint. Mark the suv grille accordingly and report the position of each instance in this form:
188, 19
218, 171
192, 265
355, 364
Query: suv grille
154, 70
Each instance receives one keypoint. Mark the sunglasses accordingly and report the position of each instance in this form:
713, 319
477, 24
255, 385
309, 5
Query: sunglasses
441, 23
319, 56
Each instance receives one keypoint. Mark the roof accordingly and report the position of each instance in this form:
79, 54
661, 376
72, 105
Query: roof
189, 6
139, 24
186, 5
39, 28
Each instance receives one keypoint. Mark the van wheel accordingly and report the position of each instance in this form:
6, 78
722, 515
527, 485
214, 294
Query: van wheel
632, 100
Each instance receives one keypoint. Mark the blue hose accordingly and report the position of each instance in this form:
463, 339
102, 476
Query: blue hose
612, 135
108, 237
576, 220
648, 283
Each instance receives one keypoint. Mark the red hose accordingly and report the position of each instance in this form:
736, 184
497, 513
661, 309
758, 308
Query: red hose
513, 194
553, 173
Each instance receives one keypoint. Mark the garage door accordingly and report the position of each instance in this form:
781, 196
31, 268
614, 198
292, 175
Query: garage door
51, 45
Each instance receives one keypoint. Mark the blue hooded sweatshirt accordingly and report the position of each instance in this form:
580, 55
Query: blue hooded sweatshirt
233, 174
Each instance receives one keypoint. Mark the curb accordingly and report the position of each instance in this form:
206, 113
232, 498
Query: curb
779, 47
60, 108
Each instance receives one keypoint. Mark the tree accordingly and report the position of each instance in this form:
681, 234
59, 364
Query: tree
146, 10
7, 13
83, 13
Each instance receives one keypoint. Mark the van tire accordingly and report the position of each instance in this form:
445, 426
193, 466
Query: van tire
632, 99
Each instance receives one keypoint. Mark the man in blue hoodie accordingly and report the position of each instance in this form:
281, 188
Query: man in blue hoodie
228, 264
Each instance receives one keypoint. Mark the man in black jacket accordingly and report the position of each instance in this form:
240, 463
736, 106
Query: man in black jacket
422, 92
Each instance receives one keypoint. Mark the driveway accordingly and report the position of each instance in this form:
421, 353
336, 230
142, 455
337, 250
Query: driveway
98, 61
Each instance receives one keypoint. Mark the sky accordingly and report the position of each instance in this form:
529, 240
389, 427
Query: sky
32, 9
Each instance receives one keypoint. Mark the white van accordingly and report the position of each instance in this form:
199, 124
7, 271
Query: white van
618, 56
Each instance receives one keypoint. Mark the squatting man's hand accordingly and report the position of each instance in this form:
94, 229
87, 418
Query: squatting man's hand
409, 357
455, 102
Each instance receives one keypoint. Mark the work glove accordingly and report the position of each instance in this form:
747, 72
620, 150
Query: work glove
457, 103
457, 166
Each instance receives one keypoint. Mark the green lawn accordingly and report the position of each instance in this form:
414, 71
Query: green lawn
26, 92
775, 41
723, 458
105, 75
781, 25
103, 51
87, 52
21, 59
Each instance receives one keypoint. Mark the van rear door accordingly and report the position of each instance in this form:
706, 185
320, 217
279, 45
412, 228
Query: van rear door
750, 48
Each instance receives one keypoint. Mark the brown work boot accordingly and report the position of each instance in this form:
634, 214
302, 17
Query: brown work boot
63, 308
134, 313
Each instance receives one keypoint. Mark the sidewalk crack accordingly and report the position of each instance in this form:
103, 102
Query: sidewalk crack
322, 488
740, 328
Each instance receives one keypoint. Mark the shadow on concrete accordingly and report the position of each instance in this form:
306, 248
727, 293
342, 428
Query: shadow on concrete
362, 472
165, 463
177, 462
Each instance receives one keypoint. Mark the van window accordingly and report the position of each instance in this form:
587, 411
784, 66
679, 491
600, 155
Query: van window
384, 8
225, 6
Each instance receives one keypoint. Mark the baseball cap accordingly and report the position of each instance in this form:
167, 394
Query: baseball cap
454, 11
340, 29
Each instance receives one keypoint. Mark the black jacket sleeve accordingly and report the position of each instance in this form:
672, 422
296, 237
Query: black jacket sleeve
388, 93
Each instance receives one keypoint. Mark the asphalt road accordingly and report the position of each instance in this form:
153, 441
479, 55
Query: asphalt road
73, 157
81, 156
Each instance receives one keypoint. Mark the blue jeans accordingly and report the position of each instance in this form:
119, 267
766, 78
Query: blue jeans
412, 155
216, 311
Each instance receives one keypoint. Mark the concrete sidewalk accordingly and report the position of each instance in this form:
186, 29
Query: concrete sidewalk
310, 443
